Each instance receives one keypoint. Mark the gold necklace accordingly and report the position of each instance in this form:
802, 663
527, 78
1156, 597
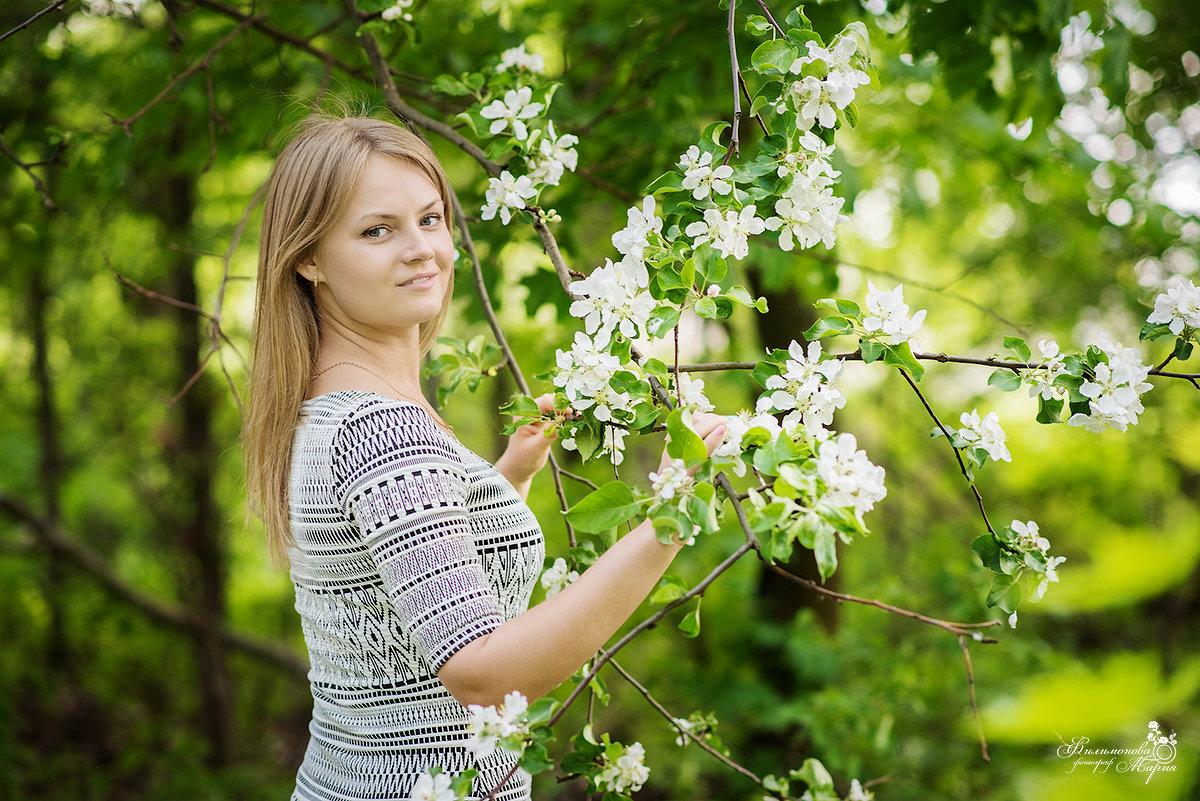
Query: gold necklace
424, 405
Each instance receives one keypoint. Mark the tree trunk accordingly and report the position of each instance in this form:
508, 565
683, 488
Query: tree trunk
196, 528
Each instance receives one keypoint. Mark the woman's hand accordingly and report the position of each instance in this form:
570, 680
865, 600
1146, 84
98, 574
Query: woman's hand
710, 428
528, 449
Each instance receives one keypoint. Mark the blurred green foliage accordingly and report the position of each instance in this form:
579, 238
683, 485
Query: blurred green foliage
104, 699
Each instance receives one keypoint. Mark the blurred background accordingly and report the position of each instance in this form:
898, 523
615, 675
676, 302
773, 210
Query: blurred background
1018, 180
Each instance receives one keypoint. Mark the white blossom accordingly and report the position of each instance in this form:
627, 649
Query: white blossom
488, 725
1041, 378
1076, 41
398, 11
671, 479
513, 110
851, 479
806, 389
627, 773
857, 793
701, 177
517, 58
1178, 307
557, 577
1030, 540
609, 300
807, 215
812, 158
691, 391
888, 314
1114, 393
631, 240
506, 193
433, 788
985, 433
113, 8
735, 431
555, 155
729, 234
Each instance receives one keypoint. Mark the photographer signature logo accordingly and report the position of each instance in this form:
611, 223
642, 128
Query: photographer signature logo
1155, 755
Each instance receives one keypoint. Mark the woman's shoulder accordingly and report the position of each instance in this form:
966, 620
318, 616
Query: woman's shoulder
368, 425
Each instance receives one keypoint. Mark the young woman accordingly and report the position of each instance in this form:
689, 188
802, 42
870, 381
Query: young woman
413, 559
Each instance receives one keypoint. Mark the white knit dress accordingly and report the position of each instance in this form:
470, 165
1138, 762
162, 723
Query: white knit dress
408, 546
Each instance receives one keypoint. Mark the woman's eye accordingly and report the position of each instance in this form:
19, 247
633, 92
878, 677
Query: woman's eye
431, 219
374, 232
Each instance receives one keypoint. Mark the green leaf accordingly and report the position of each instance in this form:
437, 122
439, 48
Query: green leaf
773, 57
542, 710
1005, 380
1183, 349
536, 759
743, 296
758, 25
843, 307
1154, 331
825, 550
1049, 411
827, 326
713, 132
671, 587
668, 180
690, 625
988, 551
682, 442
901, 356
663, 319
1018, 347
605, 508
449, 85
1004, 593
814, 774
871, 350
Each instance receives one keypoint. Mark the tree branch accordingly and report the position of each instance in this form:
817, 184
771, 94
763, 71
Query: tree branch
662, 710
961, 464
37, 182
89, 561
34, 18
127, 124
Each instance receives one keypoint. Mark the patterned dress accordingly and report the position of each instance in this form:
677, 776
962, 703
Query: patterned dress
408, 546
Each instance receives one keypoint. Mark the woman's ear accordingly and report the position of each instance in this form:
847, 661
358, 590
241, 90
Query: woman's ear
307, 268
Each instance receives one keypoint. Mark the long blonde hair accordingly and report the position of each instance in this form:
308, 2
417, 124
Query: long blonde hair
309, 187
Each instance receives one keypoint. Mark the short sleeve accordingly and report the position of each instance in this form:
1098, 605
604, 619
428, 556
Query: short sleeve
403, 486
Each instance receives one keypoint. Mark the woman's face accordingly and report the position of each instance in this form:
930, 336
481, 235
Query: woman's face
384, 266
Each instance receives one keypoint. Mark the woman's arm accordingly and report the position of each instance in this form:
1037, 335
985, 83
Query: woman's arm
539, 649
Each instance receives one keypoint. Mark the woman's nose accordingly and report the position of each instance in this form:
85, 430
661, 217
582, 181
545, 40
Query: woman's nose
416, 246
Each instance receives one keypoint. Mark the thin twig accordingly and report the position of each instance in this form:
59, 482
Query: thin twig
37, 182
770, 18
961, 464
587, 482
662, 710
34, 18
957, 629
127, 124
943, 358
732, 150
750, 100
962, 643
